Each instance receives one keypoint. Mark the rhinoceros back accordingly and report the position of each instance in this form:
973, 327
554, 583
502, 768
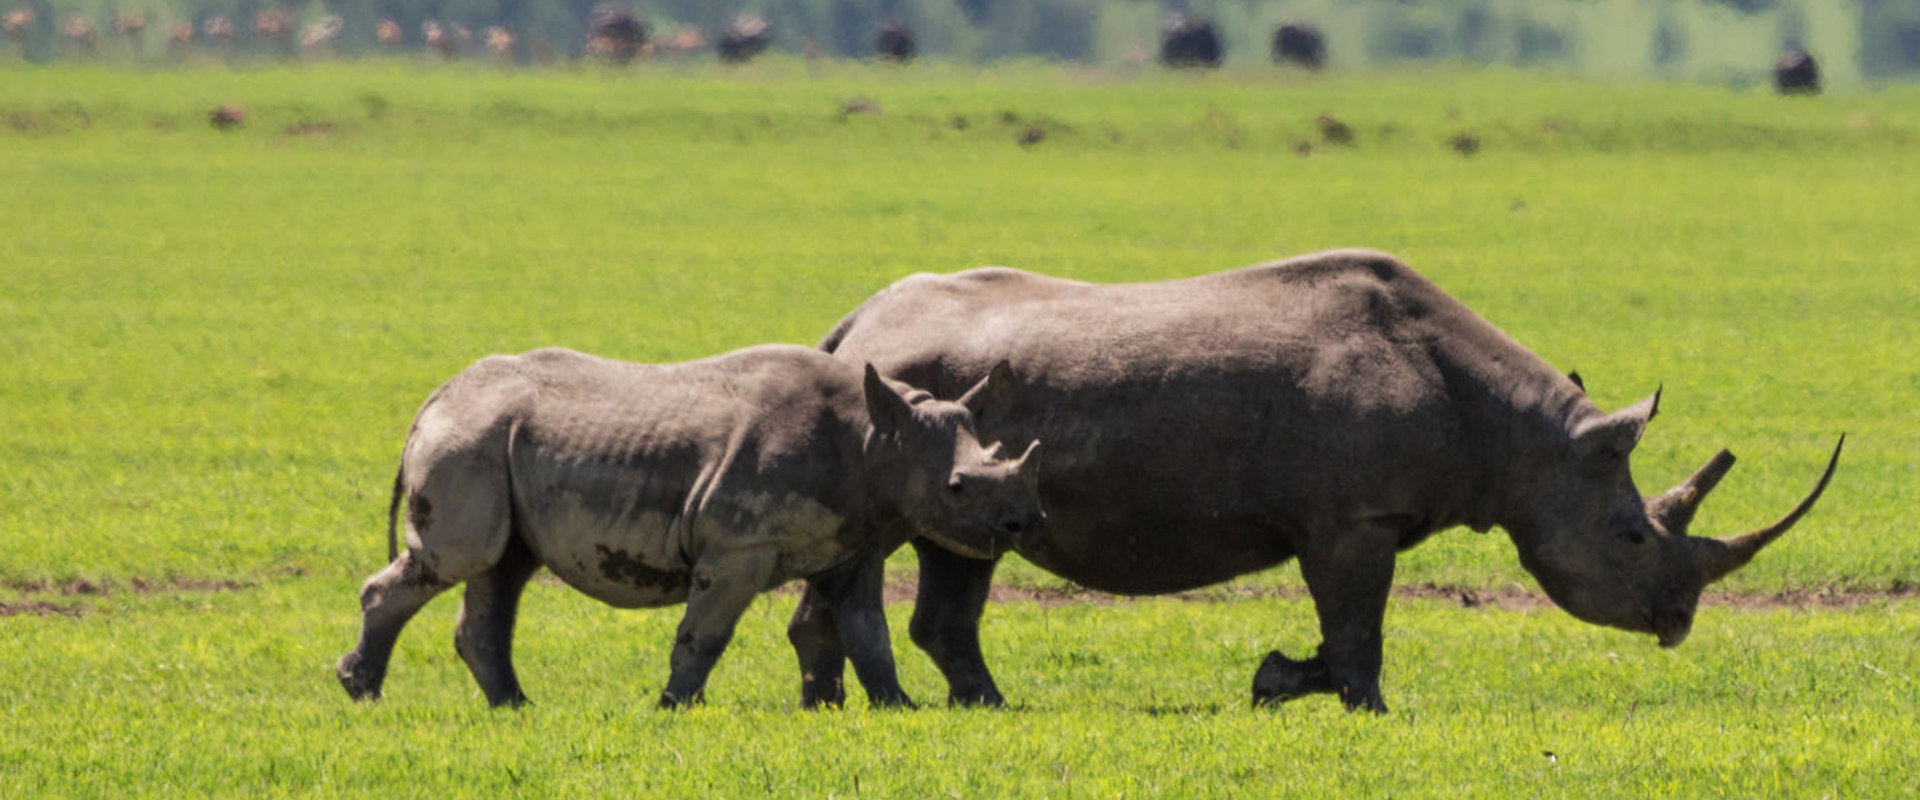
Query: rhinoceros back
1197, 428
623, 473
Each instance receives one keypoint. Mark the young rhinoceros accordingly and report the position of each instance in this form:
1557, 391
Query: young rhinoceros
706, 483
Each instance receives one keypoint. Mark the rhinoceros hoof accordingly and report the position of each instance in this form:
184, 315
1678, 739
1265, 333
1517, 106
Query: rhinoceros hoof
986, 699
1280, 679
816, 694
672, 702
361, 683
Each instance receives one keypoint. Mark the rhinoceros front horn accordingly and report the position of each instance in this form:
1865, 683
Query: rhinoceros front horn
1718, 558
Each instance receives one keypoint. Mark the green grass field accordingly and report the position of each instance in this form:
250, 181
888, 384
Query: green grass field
214, 343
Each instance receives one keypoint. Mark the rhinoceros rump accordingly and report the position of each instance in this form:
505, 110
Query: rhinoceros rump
705, 483
1335, 408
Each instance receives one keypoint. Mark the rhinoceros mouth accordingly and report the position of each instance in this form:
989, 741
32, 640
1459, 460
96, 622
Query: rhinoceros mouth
1671, 636
993, 549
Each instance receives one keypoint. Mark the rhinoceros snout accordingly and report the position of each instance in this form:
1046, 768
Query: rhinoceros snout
1672, 627
359, 677
1018, 525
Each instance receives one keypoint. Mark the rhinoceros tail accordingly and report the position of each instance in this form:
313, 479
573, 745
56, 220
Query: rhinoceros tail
839, 332
393, 514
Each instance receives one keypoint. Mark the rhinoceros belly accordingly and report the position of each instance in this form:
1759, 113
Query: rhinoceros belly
1157, 557
634, 555
631, 562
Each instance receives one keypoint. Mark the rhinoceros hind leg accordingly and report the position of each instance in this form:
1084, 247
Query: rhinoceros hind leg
484, 634
387, 601
946, 622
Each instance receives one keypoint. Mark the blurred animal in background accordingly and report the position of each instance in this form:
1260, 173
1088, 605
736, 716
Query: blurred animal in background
500, 43
79, 33
219, 30
1189, 43
179, 37
274, 28
1300, 44
894, 42
1796, 73
130, 27
320, 35
227, 117
747, 35
1333, 131
17, 24
616, 33
446, 38
387, 33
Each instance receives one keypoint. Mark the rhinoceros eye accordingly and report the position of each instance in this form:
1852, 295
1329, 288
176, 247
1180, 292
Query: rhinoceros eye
1633, 536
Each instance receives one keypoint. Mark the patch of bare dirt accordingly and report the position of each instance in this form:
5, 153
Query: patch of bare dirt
42, 608
905, 589
311, 128
137, 585
1508, 598
38, 598
1826, 597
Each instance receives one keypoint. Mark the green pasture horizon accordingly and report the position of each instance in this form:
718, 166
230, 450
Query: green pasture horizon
214, 342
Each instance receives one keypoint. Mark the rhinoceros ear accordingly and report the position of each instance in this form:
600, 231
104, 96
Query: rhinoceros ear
1616, 434
886, 409
993, 394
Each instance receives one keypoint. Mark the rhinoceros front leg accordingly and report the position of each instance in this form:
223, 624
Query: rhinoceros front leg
723, 586
484, 634
1349, 573
946, 621
815, 636
860, 617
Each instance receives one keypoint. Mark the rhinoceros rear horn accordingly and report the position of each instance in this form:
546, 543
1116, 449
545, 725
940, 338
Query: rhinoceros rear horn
1675, 507
1719, 558
1029, 466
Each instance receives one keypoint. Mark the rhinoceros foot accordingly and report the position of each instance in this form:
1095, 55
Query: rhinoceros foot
818, 693
360, 679
672, 702
1280, 679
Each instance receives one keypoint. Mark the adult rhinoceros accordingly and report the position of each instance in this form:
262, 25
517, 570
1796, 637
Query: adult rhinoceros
1336, 408
705, 483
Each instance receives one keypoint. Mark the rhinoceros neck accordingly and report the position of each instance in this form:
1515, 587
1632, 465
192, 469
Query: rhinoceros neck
1517, 411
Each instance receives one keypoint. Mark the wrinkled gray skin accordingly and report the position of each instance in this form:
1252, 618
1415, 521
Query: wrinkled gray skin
1335, 408
702, 483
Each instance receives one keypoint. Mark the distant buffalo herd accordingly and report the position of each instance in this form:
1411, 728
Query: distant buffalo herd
618, 33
